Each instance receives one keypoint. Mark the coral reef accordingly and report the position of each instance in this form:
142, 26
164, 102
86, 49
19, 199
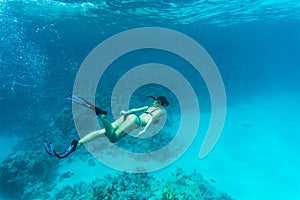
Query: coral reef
23, 176
29, 173
125, 186
189, 186
121, 186
24, 172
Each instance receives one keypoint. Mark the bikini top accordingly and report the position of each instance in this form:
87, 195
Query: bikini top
150, 112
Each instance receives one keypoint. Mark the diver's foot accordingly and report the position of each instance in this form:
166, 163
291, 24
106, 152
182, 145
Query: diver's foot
70, 150
73, 145
51, 151
100, 112
85, 103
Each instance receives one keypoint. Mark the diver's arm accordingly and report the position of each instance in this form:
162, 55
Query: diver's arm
134, 110
150, 121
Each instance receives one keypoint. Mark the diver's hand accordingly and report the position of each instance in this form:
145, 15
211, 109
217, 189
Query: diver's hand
141, 133
123, 112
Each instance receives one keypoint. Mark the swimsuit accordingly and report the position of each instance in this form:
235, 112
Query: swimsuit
150, 113
138, 117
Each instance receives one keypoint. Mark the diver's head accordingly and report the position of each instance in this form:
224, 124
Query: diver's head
161, 100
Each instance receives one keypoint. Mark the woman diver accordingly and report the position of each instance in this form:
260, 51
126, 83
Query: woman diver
118, 129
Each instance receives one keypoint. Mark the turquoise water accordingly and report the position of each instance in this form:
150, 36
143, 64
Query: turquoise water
255, 46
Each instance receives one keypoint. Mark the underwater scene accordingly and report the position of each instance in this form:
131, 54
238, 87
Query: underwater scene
148, 99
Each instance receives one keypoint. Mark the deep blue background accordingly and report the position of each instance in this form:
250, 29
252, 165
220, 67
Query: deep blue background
41, 50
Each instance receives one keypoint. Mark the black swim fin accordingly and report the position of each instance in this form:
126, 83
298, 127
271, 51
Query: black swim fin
86, 104
51, 151
49, 148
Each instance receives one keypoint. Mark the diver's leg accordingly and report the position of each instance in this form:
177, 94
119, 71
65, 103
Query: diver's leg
109, 129
127, 126
118, 122
115, 133
91, 136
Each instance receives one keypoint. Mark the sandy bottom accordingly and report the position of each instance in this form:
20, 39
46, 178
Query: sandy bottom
257, 155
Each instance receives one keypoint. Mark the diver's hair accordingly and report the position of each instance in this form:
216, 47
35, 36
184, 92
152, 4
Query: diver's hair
163, 100
152, 97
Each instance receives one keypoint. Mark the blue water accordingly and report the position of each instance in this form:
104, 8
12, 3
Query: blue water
254, 44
